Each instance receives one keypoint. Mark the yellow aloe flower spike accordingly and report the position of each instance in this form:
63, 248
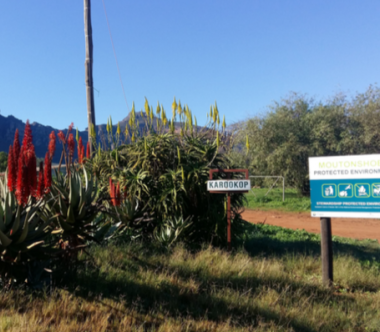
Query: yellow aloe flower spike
224, 122
217, 139
146, 106
111, 124
126, 130
133, 109
218, 120
174, 105
99, 151
211, 112
108, 126
133, 137
179, 107
77, 135
158, 109
93, 133
118, 128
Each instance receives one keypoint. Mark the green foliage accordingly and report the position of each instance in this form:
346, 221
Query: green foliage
171, 231
297, 128
167, 174
165, 169
23, 235
76, 206
3, 161
47, 233
256, 199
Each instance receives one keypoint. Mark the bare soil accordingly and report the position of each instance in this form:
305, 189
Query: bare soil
346, 227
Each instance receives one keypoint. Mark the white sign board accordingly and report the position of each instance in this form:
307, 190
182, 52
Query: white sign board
229, 185
345, 186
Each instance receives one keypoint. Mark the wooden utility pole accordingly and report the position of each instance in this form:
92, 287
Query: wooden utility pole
88, 70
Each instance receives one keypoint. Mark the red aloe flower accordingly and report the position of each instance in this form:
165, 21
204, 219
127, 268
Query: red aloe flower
117, 195
16, 150
88, 152
113, 193
22, 190
62, 137
71, 145
52, 143
71, 127
32, 173
11, 170
41, 182
47, 173
80, 151
27, 142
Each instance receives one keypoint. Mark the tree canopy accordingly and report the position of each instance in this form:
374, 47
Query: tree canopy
298, 127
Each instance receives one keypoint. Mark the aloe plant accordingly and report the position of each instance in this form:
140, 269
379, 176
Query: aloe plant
171, 230
23, 234
77, 209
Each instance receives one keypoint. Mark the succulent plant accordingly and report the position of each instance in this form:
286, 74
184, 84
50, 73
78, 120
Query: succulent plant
171, 230
76, 204
23, 234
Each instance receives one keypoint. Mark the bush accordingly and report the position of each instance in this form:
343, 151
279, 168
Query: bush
166, 171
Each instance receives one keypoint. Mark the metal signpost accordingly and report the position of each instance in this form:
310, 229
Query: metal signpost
343, 186
228, 186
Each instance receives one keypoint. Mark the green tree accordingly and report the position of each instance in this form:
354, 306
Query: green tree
297, 128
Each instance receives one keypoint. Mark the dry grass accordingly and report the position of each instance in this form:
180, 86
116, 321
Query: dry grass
134, 288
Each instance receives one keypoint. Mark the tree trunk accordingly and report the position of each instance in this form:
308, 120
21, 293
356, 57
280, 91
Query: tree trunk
88, 71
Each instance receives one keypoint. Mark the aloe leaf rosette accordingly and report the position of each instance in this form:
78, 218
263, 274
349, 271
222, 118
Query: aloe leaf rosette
23, 234
76, 204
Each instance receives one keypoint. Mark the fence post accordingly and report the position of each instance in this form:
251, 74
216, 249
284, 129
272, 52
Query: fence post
326, 252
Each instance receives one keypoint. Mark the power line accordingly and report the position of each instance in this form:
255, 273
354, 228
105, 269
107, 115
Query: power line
114, 52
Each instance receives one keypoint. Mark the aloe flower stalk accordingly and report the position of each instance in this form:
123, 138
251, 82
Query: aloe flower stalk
80, 151
32, 173
62, 137
11, 181
27, 141
52, 144
16, 150
47, 173
22, 189
71, 145
41, 182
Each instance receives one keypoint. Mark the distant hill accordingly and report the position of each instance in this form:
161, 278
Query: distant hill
9, 124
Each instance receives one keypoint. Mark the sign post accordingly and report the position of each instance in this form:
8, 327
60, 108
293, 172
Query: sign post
342, 186
228, 187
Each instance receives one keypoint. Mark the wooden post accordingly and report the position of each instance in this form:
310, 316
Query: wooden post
326, 251
88, 70
229, 221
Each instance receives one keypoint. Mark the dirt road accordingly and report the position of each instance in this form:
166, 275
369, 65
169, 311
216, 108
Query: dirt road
346, 227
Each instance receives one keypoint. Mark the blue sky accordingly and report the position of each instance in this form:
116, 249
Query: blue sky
242, 54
